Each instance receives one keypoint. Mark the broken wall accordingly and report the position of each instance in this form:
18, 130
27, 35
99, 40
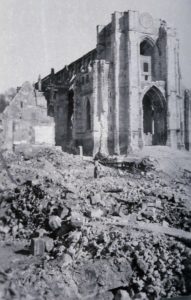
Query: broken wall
73, 121
25, 120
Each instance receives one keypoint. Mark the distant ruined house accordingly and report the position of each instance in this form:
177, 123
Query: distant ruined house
25, 122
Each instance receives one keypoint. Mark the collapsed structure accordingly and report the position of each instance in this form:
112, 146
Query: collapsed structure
124, 94
25, 122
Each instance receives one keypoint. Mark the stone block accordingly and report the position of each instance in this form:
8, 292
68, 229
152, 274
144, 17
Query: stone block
55, 222
37, 247
95, 199
77, 219
122, 295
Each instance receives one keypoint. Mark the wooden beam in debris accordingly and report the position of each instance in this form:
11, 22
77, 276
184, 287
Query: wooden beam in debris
153, 227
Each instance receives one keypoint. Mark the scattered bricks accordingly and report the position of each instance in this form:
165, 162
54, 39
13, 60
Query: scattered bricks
139, 218
122, 295
132, 217
65, 212
4, 231
142, 265
64, 229
165, 223
95, 199
55, 222
140, 296
37, 246
14, 230
67, 259
76, 220
49, 244
150, 213
41, 232
96, 213
60, 250
158, 204
71, 250
74, 237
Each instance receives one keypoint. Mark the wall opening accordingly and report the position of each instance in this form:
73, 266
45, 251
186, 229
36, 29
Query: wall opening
70, 114
145, 67
88, 115
154, 118
146, 48
146, 53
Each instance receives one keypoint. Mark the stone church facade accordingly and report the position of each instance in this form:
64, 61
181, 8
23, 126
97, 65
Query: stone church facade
124, 94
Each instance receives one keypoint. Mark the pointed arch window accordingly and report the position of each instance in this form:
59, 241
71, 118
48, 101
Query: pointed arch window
147, 59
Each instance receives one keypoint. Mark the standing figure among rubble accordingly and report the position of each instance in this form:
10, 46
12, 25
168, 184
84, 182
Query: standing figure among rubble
96, 169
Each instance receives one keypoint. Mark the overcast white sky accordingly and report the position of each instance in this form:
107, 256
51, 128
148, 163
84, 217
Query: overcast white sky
36, 35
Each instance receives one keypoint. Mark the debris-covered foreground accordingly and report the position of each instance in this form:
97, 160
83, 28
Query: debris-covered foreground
67, 235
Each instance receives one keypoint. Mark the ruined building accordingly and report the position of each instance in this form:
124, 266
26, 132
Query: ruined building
25, 122
124, 94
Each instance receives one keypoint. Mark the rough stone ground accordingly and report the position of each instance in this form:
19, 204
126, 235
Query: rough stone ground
123, 235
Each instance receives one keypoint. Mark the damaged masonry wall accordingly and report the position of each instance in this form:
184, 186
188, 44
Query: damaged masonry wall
124, 94
25, 120
187, 118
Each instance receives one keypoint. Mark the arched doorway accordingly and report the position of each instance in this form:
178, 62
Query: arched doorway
154, 117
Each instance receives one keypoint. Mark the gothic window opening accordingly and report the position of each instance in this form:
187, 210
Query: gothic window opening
146, 48
146, 56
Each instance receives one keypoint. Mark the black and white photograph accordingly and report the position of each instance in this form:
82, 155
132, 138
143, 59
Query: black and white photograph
95, 149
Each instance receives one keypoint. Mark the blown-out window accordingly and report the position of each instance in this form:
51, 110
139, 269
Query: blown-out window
146, 56
145, 67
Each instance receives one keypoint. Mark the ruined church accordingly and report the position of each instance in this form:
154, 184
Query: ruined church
124, 94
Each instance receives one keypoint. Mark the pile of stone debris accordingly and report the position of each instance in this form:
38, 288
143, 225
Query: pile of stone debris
86, 232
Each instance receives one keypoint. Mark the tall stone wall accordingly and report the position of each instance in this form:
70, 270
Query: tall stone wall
101, 107
173, 90
187, 119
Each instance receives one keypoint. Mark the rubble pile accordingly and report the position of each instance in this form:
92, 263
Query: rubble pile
26, 209
132, 165
67, 219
